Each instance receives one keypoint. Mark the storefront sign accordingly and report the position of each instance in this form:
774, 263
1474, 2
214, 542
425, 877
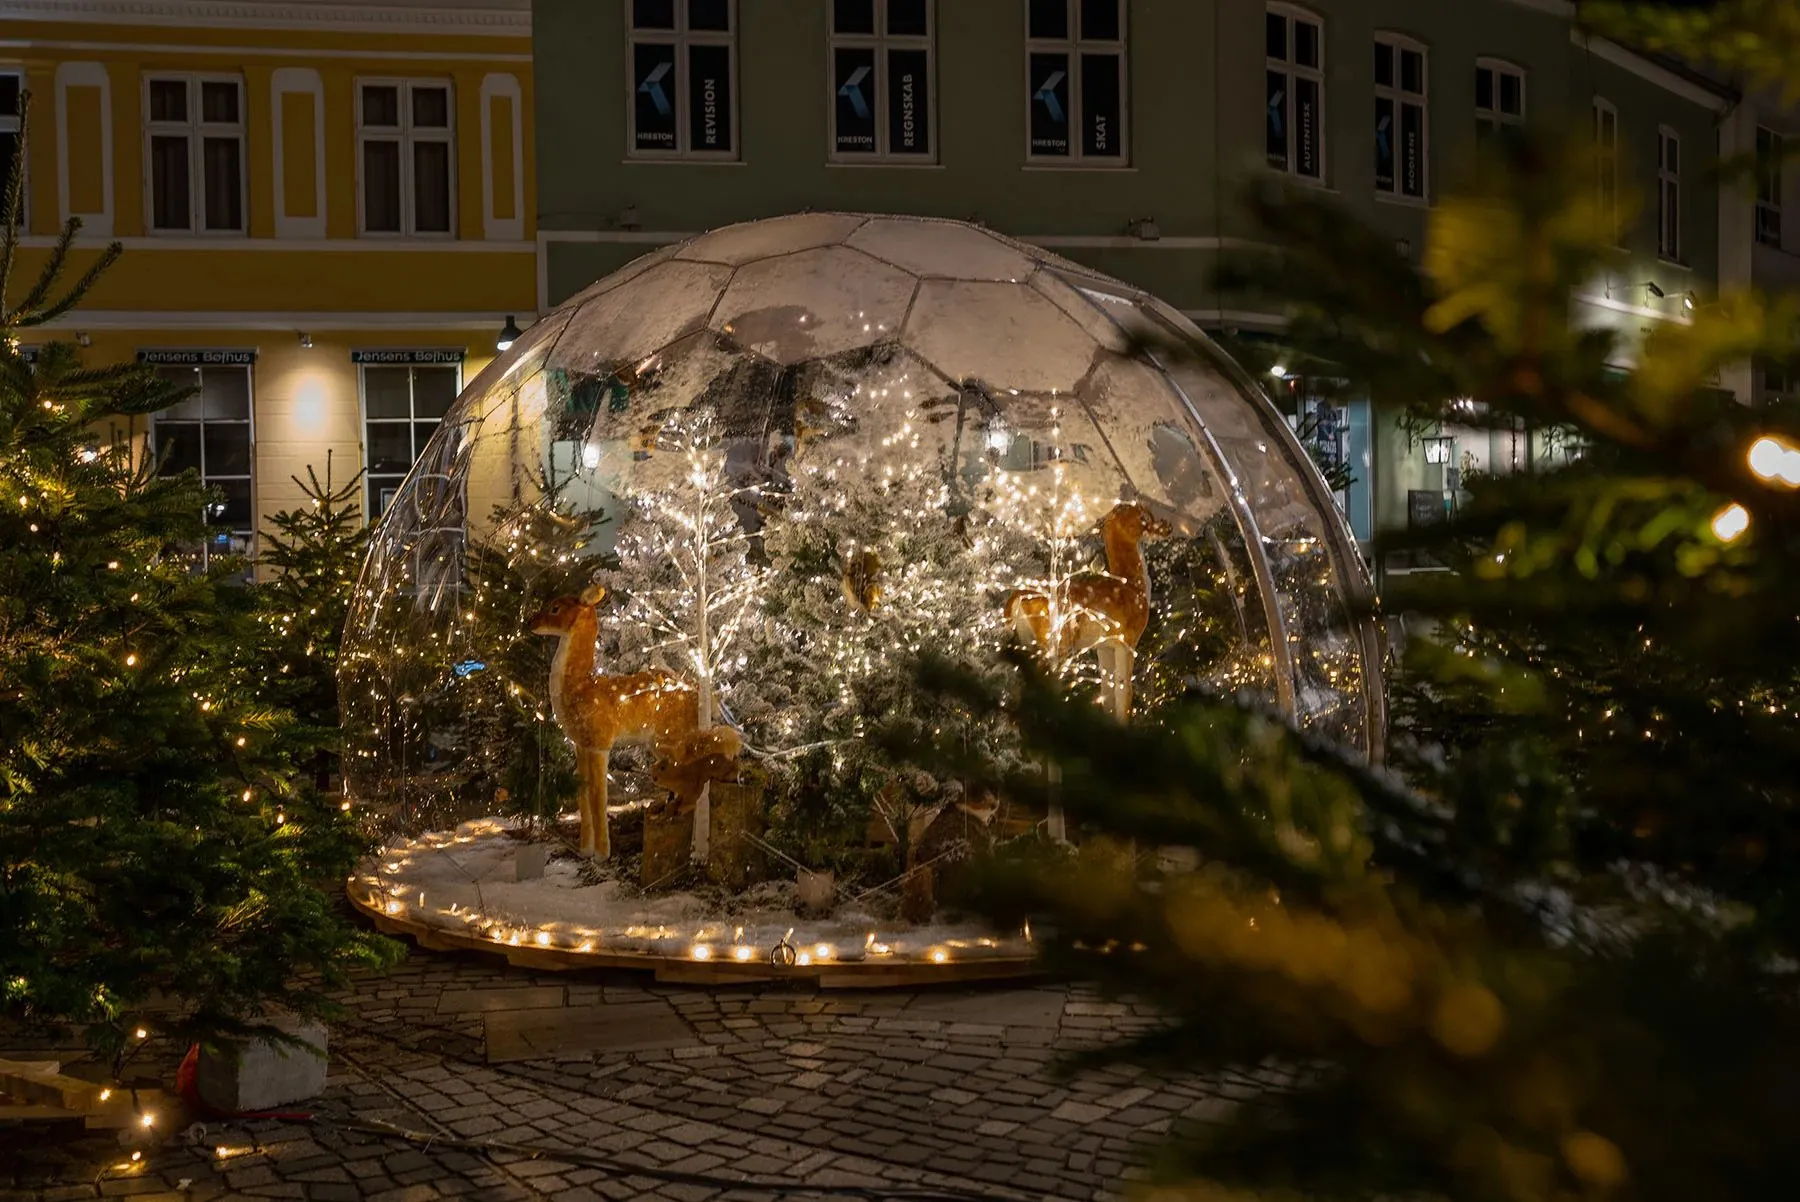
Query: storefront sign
410, 357
196, 357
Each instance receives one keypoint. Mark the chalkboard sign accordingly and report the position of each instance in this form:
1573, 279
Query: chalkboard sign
1425, 507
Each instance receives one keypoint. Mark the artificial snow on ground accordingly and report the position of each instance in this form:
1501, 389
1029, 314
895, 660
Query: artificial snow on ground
465, 881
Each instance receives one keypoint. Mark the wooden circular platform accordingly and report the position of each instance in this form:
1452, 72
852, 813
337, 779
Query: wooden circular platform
956, 966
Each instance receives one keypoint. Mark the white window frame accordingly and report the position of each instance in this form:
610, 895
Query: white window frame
196, 131
881, 42
1074, 46
1493, 116
1293, 70
13, 125
682, 38
410, 421
1606, 161
1397, 43
406, 136
1768, 186
249, 423
1669, 239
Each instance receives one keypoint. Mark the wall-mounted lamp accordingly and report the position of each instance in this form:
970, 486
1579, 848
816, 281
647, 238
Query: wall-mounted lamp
1279, 371
509, 334
1652, 288
1688, 301
1144, 228
82, 339
628, 218
305, 341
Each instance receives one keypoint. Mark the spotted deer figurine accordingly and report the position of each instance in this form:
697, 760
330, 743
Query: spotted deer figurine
1104, 612
597, 712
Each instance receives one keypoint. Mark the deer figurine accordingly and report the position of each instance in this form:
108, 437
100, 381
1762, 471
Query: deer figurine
1105, 612
597, 712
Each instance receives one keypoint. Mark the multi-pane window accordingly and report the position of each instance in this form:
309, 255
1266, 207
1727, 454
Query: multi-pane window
1499, 98
1294, 94
882, 79
1668, 195
1768, 187
401, 410
195, 134
406, 144
1400, 128
683, 78
12, 87
210, 433
1075, 81
1606, 162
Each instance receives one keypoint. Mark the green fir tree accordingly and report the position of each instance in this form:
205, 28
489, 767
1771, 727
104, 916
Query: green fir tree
312, 558
161, 866
1552, 957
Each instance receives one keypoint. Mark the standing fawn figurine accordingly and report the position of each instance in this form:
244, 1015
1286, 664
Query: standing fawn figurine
1105, 612
597, 712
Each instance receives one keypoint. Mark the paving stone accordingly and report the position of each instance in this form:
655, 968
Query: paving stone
534, 1034
462, 1001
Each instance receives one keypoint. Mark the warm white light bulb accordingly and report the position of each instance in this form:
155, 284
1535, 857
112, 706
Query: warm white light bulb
1773, 459
1730, 522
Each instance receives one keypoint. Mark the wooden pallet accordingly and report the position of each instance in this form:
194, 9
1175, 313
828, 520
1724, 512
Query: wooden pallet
38, 1090
881, 973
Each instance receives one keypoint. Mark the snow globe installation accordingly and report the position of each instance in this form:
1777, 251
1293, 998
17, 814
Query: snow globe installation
625, 637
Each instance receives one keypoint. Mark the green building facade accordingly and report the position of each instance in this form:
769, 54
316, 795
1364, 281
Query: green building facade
1119, 133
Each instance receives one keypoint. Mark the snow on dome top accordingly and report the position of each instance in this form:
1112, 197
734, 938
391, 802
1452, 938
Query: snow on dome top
782, 456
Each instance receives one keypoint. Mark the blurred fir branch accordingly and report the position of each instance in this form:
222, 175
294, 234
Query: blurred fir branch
1550, 955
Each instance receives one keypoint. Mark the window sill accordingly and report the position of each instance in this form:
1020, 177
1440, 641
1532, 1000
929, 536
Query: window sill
1038, 165
1673, 264
675, 160
1304, 181
877, 164
1405, 202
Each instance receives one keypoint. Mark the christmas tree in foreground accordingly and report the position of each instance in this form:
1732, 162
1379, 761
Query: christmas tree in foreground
164, 867
1556, 959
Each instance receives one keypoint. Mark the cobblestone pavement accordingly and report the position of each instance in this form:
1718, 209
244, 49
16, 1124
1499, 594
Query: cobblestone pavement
456, 1076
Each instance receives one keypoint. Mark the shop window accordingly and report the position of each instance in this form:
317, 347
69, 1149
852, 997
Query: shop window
683, 79
1401, 120
1294, 91
406, 157
12, 90
194, 133
1076, 81
1499, 99
211, 433
402, 407
883, 80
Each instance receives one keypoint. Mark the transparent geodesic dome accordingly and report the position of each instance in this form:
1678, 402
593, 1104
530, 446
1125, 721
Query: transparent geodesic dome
796, 449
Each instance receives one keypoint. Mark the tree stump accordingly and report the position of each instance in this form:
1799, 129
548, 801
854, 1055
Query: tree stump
918, 899
737, 812
668, 843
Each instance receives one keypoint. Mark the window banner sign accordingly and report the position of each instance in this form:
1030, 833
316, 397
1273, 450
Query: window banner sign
909, 102
196, 357
709, 98
1306, 127
653, 96
1103, 105
853, 80
1275, 108
1384, 144
410, 358
1049, 84
1412, 150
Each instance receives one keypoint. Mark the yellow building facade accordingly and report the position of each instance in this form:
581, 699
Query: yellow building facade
327, 210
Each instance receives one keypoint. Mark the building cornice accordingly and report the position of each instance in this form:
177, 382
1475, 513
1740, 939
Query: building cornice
492, 18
